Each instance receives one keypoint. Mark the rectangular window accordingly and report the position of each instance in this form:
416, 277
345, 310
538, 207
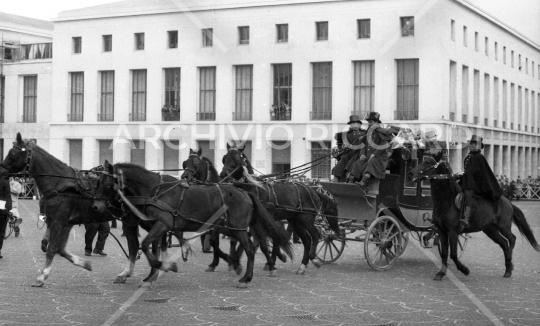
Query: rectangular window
407, 26
465, 38
452, 30
505, 101
172, 37
139, 41
75, 153
243, 35
138, 107
77, 44
512, 104
29, 98
487, 97
504, 54
281, 156
171, 108
465, 93
476, 95
453, 89
322, 31
520, 108
77, 97
207, 94
476, 46
107, 43
496, 99
2, 97
526, 66
407, 89
532, 68
486, 46
171, 156
138, 153
208, 149
364, 87
496, 51
322, 91
364, 28
526, 111
244, 93
282, 33
519, 62
106, 110
207, 37
105, 151
320, 150
282, 97
512, 58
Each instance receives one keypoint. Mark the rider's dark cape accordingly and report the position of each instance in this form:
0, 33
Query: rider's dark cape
479, 177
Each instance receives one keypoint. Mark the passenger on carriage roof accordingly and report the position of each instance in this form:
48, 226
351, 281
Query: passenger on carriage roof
349, 145
477, 180
373, 157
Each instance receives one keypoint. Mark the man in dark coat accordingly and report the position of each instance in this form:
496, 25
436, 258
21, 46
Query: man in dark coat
373, 157
349, 145
477, 180
5, 197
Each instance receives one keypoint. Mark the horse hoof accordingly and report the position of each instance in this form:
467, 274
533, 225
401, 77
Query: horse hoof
283, 258
120, 279
242, 286
266, 267
38, 284
316, 262
466, 271
273, 273
507, 274
173, 268
238, 270
87, 265
211, 269
301, 271
438, 277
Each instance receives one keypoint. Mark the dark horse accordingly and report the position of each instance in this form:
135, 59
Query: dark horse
497, 226
295, 202
176, 206
65, 204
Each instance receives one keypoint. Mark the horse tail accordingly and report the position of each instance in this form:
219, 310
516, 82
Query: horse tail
330, 210
269, 226
524, 228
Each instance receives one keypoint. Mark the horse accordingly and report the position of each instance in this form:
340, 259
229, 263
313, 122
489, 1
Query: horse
66, 201
297, 203
187, 208
446, 216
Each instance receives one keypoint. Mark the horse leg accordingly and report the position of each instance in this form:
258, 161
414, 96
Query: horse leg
314, 236
158, 229
443, 249
506, 240
270, 260
130, 232
235, 254
218, 253
300, 230
453, 239
243, 237
74, 259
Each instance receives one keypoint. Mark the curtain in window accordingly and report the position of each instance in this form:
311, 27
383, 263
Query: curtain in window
322, 169
283, 84
77, 96
407, 89
107, 96
244, 92
364, 87
207, 86
172, 87
30, 99
322, 89
138, 110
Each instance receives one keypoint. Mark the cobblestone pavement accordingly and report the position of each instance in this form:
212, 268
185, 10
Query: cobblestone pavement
347, 292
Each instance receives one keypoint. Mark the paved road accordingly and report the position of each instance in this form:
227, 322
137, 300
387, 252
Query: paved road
344, 293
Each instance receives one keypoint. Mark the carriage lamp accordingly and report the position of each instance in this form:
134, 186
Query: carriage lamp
406, 154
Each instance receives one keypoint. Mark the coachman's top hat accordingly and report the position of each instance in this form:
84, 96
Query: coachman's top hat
354, 119
477, 139
374, 116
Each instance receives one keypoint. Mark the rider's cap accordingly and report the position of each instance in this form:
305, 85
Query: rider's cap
374, 116
353, 119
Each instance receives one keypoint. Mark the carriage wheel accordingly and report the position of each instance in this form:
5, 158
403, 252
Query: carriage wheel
330, 246
462, 244
384, 243
405, 236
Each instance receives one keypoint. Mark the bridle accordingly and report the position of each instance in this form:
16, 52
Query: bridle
423, 176
196, 170
28, 163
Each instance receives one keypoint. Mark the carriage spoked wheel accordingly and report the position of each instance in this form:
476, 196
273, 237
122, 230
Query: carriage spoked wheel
461, 245
330, 246
384, 243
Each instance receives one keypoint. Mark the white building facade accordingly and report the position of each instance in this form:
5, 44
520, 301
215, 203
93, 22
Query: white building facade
172, 77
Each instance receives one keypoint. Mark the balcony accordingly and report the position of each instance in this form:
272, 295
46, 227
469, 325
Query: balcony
170, 116
242, 116
321, 115
405, 115
74, 117
137, 116
206, 116
280, 112
105, 117
29, 118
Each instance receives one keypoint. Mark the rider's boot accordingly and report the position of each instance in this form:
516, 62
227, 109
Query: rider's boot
464, 222
350, 178
364, 181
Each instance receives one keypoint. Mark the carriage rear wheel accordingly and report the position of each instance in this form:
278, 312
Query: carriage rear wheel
384, 243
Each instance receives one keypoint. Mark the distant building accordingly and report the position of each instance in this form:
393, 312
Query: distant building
201, 74
25, 79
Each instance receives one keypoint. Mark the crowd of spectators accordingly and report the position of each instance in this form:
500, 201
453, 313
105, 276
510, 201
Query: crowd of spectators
528, 188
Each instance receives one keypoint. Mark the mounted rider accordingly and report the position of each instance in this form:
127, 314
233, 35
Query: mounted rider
348, 147
477, 181
373, 157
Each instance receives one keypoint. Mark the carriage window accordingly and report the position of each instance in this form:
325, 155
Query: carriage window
409, 166
425, 183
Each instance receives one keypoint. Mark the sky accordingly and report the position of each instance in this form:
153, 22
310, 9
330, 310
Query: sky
522, 15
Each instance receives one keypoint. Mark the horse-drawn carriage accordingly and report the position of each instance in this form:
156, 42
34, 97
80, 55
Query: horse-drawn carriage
384, 218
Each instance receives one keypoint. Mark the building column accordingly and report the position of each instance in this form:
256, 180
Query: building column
513, 163
507, 159
455, 159
488, 154
153, 156
90, 153
497, 160
521, 158
528, 162
534, 168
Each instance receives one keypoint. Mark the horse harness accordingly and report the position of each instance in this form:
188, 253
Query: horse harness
273, 202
